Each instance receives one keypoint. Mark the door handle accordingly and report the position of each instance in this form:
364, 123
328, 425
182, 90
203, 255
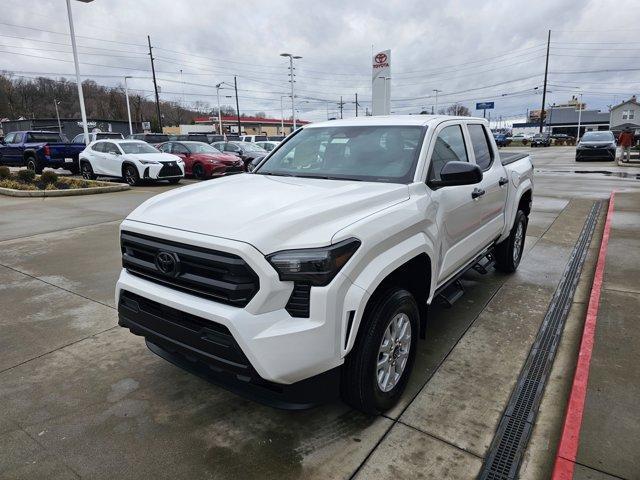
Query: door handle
503, 181
477, 192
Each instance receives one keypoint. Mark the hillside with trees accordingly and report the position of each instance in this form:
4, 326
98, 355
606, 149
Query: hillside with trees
34, 98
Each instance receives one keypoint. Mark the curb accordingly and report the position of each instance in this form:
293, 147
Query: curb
570, 439
63, 193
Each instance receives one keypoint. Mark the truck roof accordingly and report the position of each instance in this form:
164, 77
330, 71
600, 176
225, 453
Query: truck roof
420, 120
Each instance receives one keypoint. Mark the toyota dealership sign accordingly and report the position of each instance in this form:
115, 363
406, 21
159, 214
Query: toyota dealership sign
381, 83
381, 66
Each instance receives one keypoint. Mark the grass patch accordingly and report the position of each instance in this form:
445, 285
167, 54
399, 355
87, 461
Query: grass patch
49, 182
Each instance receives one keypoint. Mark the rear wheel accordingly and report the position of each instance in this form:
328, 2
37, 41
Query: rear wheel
87, 171
376, 371
33, 164
130, 174
509, 251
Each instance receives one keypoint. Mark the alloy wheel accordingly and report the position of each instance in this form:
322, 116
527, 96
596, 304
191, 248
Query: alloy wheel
393, 353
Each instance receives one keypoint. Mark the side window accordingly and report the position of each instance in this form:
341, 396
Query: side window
98, 147
179, 148
165, 147
230, 147
9, 138
481, 147
78, 138
18, 138
449, 147
111, 148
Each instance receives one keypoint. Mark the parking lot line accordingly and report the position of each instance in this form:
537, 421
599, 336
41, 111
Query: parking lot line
568, 449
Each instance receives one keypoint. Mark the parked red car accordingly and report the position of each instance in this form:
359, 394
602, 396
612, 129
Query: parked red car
202, 160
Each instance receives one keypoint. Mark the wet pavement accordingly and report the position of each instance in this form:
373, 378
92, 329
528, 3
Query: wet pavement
83, 398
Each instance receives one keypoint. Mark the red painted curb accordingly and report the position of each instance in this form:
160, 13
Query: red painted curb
568, 448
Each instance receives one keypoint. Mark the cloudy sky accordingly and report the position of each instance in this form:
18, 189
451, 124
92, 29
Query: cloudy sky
470, 50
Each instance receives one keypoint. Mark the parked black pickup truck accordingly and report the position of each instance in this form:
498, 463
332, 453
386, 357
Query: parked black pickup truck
39, 149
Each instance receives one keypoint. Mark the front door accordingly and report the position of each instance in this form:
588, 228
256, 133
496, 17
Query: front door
456, 215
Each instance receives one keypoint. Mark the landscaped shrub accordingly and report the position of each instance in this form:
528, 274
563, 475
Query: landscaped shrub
26, 176
49, 177
4, 173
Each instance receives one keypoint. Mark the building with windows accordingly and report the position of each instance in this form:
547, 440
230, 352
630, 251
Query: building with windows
626, 115
564, 119
249, 125
69, 126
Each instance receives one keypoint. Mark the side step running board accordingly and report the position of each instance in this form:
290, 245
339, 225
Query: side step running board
484, 264
452, 293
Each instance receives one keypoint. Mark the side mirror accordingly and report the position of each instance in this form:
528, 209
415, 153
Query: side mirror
457, 173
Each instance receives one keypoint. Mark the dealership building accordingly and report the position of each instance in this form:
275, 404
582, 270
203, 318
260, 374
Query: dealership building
564, 119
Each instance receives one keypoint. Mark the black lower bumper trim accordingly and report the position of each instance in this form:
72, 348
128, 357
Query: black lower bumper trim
208, 350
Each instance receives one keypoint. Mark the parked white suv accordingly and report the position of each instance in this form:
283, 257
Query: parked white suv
132, 160
314, 273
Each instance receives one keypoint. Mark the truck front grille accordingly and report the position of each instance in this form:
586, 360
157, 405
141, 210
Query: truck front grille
219, 276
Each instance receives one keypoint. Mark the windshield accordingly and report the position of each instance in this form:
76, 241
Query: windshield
199, 147
34, 137
250, 147
597, 137
371, 153
137, 147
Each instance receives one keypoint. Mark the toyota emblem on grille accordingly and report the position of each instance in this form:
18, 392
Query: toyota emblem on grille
168, 263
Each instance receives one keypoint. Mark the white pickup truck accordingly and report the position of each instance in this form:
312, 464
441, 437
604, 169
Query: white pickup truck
314, 273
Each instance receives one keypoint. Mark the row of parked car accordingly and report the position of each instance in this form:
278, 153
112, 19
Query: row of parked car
140, 157
535, 140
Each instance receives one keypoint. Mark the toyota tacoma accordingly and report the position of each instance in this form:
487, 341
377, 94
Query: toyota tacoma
313, 274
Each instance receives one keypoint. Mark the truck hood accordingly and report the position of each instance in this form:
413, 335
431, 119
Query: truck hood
271, 213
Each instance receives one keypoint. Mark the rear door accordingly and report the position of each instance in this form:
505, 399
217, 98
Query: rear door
17, 149
95, 155
490, 205
456, 217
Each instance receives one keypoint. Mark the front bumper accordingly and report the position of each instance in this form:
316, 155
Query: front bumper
278, 348
160, 171
596, 154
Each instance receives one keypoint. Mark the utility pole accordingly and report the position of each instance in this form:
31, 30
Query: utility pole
356, 104
341, 104
219, 112
83, 112
155, 85
579, 117
544, 89
235, 86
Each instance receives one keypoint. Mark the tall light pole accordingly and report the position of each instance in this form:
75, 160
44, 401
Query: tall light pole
292, 80
55, 104
579, 115
218, 87
436, 91
83, 113
126, 94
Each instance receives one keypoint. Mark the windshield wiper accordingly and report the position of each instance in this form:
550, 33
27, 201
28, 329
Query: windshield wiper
275, 174
329, 177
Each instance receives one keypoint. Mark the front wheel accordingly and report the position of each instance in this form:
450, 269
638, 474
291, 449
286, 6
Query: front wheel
130, 174
376, 371
198, 171
509, 251
87, 171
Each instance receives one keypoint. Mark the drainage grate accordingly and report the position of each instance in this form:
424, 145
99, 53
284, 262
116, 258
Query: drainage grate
514, 430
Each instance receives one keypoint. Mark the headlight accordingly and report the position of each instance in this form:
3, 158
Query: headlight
148, 162
317, 266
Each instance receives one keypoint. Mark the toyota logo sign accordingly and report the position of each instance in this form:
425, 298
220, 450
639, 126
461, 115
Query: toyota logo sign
168, 263
381, 58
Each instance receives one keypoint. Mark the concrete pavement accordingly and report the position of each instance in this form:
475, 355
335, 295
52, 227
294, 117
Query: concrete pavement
84, 398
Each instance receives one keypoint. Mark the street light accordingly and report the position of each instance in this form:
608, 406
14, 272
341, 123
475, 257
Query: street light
126, 94
83, 113
56, 103
436, 92
291, 75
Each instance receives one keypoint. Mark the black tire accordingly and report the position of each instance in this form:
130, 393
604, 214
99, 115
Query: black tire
130, 174
198, 171
34, 164
360, 383
87, 170
174, 181
509, 251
